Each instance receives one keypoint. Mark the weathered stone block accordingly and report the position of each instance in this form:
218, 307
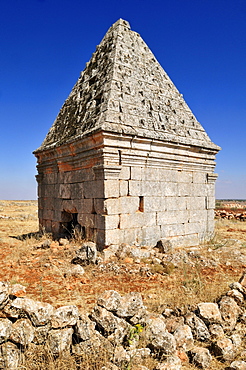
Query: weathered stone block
136, 173
199, 177
107, 222
86, 219
85, 205
111, 189
185, 189
152, 204
151, 188
125, 173
169, 189
184, 176
77, 191
172, 217
135, 188
123, 188
65, 191
196, 203
128, 221
94, 189
128, 204
175, 203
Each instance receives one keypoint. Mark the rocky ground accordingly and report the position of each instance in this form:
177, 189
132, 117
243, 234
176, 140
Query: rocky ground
52, 271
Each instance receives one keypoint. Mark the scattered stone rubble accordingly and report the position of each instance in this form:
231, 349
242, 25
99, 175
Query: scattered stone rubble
129, 333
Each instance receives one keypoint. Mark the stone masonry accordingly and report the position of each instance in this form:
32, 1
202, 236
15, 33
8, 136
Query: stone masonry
126, 160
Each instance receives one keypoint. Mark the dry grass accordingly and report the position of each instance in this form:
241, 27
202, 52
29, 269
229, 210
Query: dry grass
42, 272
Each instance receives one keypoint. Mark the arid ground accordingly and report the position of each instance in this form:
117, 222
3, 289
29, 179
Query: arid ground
210, 268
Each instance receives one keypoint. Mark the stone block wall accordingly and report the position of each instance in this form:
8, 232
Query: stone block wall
126, 190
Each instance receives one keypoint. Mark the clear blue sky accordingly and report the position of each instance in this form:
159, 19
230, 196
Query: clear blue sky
44, 44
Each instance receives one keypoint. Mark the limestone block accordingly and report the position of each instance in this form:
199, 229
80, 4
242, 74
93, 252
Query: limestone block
194, 215
136, 173
151, 188
199, 177
112, 237
66, 177
166, 175
185, 189
193, 227
184, 176
130, 236
128, 204
55, 227
69, 206
172, 217
111, 206
77, 191
150, 218
85, 205
50, 191
210, 190
125, 173
150, 174
65, 191
152, 204
48, 214
135, 188
50, 178
107, 222
94, 189
111, 189
86, 219
175, 203
210, 203
150, 235
85, 174
128, 221
50, 203
123, 188
99, 205
198, 190
173, 230
169, 189
196, 203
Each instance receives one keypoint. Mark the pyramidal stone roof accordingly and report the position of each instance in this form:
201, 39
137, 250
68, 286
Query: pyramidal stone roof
124, 89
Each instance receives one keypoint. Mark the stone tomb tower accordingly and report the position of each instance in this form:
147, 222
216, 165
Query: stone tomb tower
126, 160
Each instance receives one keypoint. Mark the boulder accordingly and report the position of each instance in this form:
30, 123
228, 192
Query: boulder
84, 328
184, 338
60, 340
22, 332
216, 331
64, 316
86, 255
209, 313
9, 356
199, 329
38, 312
129, 305
237, 365
157, 337
109, 299
200, 357
224, 349
171, 363
229, 312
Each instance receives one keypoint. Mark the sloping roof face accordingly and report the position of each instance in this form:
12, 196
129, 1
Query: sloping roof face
124, 89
